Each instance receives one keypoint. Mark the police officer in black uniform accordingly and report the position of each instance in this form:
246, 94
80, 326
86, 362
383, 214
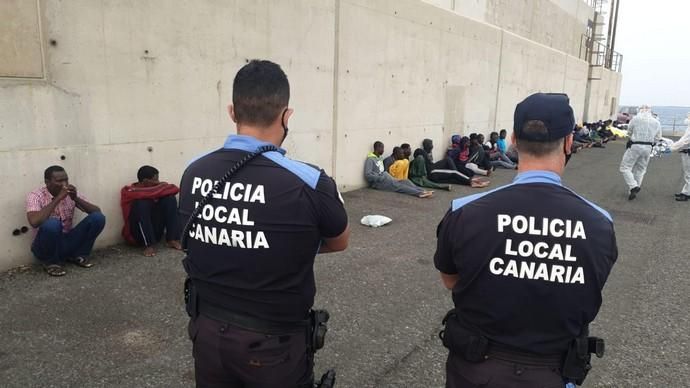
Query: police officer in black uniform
257, 219
526, 264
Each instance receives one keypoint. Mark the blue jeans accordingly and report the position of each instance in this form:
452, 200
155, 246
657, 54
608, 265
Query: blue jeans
51, 246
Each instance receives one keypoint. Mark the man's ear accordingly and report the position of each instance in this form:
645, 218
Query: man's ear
286, 117
231, 112
568, 144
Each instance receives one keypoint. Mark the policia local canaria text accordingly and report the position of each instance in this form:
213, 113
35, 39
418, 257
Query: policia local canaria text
566, 272
237, 192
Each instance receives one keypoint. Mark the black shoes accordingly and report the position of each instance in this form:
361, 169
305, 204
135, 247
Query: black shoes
633, 193
682, 197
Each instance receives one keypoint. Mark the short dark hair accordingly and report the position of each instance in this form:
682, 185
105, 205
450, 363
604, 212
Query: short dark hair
537, 129
503, 131
377, 144
494, 133
146, 172
405, 146
260, 92
48, 173
396, 149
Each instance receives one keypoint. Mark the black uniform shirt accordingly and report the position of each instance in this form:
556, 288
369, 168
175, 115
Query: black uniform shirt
532, 258
252, 249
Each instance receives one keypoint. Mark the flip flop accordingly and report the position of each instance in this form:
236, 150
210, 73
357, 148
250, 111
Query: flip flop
81, 262
54, 270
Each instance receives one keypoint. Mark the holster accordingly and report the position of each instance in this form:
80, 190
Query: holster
628, 144
316, 338
191, 298
472, 346
318, 327
577, 361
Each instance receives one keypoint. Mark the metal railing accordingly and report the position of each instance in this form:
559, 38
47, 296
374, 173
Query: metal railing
599, 54
598, 5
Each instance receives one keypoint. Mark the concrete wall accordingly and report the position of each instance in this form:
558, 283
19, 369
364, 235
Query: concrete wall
558, 24
134, 83
605, 88
132, 74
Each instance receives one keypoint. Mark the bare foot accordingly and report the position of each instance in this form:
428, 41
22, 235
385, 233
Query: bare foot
149, 252
478, 184
175, 244
426, 194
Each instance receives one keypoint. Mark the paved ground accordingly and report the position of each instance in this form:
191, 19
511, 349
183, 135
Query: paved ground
122, 324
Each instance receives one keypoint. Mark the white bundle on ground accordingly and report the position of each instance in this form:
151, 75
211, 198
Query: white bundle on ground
375, 220
662, 147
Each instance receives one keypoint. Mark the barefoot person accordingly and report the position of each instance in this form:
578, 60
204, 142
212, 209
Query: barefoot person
149, 208
50, 210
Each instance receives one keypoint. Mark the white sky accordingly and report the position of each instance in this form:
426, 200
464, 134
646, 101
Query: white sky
654, 38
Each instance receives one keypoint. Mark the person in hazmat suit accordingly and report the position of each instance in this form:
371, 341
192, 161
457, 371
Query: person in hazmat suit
683, 145
644, 131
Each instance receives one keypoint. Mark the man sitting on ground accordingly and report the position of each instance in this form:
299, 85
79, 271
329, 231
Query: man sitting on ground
419, 176
50, 210
401, 167
444, 171
379, 179
388, 161
497, 158
407, 150
149, 208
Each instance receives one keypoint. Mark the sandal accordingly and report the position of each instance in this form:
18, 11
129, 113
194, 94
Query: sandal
82, 262
54, 270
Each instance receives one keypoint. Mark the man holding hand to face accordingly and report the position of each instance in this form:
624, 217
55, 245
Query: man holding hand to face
50, 210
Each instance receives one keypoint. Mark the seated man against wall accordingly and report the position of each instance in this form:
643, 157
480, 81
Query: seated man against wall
419, 176
379, 179
407, 150
445, 171
477, 150
387, 162
401, 167
149, 208
50, 210
497, 158
463, 157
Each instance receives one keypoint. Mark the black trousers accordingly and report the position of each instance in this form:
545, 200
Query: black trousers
501, 373
148, 219
230, 357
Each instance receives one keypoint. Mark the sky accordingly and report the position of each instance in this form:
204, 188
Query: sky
653, 38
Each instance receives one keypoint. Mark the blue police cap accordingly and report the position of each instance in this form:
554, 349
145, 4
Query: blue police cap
550, 108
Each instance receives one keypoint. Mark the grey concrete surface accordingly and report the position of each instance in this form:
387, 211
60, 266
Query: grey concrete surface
122, 324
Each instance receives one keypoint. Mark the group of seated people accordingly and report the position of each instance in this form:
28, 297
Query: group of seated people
149, 210
596, 134
466, 162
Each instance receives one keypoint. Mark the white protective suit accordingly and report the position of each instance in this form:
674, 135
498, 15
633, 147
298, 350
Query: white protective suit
683, 145
642, 128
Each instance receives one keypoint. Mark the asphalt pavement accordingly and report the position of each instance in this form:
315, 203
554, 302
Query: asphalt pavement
122, 322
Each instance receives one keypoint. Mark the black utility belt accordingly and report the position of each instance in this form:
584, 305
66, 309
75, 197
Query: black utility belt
474, 347
250, 323
685, 151
642, 143
195, 306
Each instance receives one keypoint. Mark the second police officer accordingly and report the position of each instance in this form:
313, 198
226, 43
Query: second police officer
257, 219
526, 264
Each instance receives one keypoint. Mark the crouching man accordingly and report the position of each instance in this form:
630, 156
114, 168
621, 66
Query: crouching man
50, 210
